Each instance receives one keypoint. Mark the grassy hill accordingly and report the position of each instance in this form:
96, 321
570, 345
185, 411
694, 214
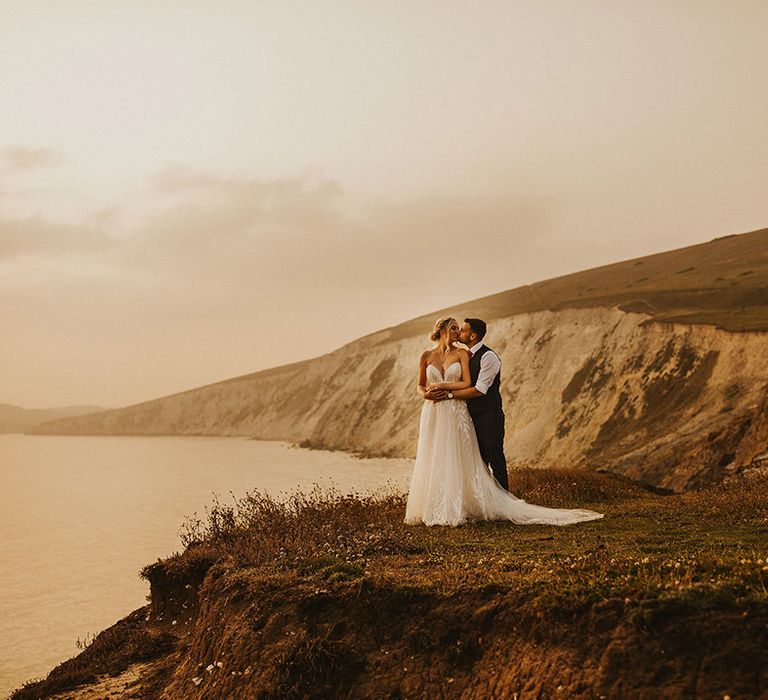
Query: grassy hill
723, 283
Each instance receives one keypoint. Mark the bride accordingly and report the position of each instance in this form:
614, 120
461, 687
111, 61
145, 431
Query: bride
451, 483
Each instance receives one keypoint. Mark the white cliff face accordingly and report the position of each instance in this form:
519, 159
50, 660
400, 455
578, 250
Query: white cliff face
600, 388
676, 406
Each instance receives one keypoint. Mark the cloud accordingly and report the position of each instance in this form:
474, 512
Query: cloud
249, 238
220, 276
39, 238
237, 238
204, 201
23, 158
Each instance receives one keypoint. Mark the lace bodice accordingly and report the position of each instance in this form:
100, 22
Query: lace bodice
452, 373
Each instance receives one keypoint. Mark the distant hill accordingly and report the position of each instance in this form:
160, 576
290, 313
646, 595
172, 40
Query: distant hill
655, 367
15, 419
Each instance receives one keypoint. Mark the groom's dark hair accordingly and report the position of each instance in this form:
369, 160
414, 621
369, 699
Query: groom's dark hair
478, 327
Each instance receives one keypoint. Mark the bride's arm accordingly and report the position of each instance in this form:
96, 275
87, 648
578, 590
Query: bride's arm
465, 381
422, 387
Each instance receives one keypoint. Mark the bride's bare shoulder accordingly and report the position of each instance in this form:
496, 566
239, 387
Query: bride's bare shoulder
427, 354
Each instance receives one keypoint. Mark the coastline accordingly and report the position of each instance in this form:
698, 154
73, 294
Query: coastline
65, 578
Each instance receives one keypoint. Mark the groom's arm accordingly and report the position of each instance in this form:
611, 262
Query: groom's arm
490, 364
468, 393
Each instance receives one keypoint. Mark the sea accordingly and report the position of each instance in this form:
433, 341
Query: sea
80, 516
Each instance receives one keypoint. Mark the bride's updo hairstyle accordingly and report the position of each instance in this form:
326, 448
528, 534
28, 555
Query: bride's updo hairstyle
441, 325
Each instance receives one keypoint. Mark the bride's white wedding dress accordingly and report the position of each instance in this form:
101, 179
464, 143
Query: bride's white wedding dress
451, 484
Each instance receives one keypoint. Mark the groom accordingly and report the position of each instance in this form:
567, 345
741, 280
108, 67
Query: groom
483, 397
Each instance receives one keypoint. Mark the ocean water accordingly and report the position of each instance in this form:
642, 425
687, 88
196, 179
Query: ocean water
80, 516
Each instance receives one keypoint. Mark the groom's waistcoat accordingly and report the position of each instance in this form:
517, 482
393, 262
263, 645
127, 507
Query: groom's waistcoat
491, 402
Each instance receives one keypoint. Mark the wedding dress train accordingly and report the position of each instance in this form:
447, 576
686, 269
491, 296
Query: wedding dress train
451, 484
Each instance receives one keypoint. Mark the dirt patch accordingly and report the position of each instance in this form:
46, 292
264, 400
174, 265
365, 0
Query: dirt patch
670, 392
592, 375
671, 383
544, 339
111, 653
380, 375
124, 685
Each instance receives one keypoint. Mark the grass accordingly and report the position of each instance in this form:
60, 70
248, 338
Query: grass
648, 547
723, 282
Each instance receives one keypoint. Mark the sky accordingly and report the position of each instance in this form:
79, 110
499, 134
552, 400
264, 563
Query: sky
191, 191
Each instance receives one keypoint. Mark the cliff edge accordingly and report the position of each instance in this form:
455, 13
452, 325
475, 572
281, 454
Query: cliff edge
328, 596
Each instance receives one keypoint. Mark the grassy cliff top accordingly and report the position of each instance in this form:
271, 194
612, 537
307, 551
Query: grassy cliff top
649, 543
326, 594
723, 282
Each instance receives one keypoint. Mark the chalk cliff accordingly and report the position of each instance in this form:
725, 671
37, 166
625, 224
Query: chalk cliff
656, 368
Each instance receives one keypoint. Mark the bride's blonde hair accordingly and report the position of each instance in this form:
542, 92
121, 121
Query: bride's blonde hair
441, 325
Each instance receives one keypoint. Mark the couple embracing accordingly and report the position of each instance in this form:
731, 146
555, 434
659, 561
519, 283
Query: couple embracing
461, 436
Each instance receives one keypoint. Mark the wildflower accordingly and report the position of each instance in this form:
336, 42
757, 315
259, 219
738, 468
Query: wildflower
197, 680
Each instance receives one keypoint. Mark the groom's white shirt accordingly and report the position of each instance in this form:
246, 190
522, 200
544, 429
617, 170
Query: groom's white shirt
490, 364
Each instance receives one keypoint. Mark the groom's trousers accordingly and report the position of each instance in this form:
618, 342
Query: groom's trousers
490, 437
